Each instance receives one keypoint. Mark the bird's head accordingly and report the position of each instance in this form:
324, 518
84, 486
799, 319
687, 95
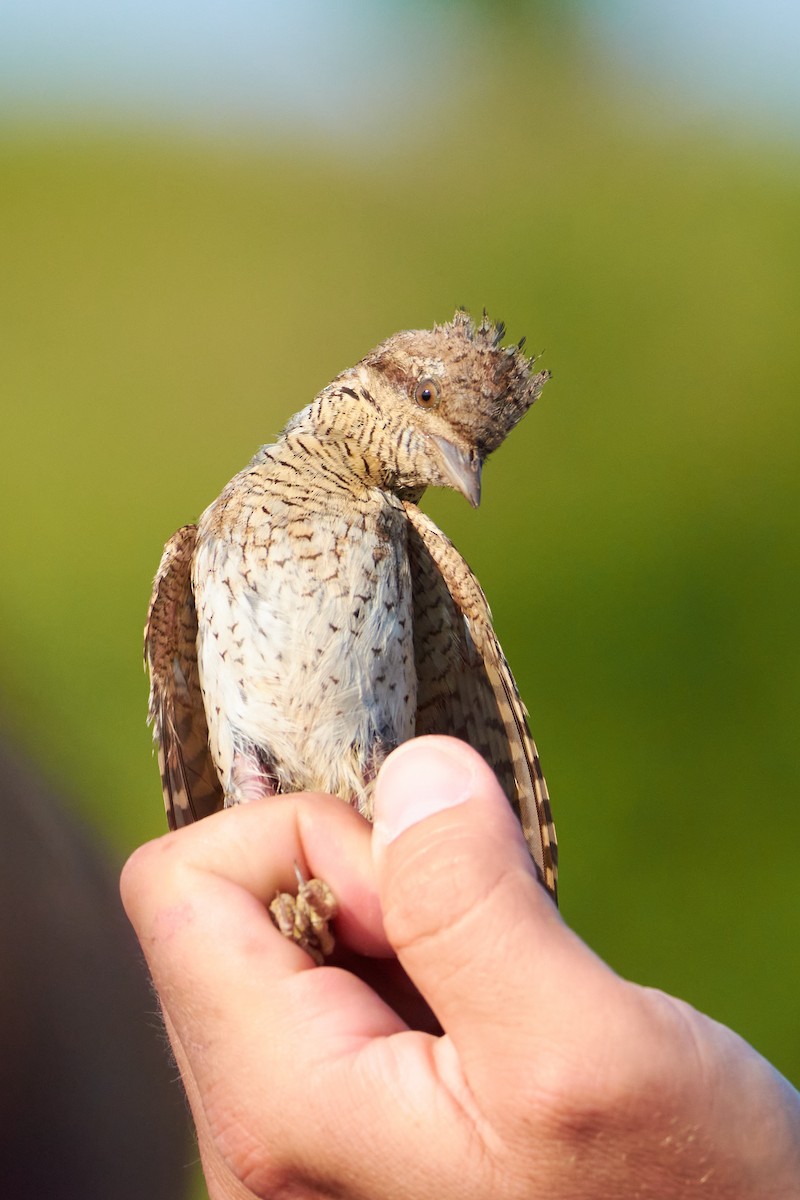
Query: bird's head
434, 403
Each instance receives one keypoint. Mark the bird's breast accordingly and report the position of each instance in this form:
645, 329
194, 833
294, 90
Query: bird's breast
305, 643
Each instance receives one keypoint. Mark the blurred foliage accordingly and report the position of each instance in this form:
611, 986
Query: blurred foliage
166, 305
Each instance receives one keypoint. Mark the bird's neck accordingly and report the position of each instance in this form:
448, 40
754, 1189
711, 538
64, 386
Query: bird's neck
346, 440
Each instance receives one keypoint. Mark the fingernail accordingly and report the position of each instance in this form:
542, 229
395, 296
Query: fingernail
419, 779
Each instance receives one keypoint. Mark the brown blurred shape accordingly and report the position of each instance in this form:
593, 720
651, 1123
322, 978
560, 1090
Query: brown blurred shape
90, 1105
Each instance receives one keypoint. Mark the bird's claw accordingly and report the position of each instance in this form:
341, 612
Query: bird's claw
304, 918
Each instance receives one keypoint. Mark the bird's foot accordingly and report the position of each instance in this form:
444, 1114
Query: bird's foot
304, 918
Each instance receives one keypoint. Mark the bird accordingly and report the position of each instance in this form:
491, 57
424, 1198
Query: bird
315, 618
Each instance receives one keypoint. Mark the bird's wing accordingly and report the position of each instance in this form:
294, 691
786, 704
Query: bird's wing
191, 787
465, 685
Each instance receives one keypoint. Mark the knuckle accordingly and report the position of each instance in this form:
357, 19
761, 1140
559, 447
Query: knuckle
627, 1073
140, 867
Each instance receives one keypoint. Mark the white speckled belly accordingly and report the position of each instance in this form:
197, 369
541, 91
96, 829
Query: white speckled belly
306, 645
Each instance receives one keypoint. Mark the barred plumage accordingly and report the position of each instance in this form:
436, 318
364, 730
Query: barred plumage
315, 617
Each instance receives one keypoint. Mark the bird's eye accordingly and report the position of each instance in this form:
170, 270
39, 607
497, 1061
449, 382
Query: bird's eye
426, 393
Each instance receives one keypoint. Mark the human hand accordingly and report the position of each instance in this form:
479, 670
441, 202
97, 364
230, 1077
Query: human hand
553, 1077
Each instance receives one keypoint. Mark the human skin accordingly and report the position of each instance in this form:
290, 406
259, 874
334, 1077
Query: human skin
542, 1073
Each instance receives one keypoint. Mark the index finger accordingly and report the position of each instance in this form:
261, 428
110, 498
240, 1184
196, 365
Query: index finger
198, 901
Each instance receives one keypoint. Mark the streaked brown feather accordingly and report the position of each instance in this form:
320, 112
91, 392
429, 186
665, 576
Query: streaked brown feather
465, 685
191, 787
294, 579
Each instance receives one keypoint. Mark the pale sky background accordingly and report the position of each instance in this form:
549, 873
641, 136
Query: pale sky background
737, 58
343, 67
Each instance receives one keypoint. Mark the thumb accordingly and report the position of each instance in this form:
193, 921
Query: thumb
462, 906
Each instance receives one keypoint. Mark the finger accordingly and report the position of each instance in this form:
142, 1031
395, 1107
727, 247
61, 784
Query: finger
198, 902
275, 1053
321, 836
361, 943
471, 924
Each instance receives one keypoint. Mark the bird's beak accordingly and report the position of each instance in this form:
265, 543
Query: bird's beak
462, 469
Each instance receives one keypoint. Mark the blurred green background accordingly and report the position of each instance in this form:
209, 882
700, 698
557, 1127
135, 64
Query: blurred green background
170, 294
